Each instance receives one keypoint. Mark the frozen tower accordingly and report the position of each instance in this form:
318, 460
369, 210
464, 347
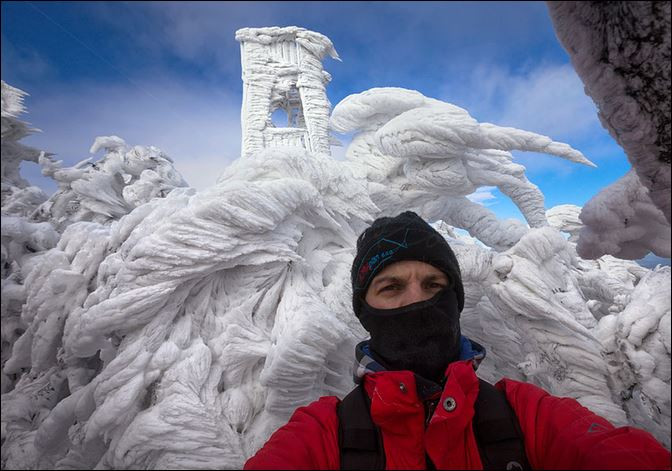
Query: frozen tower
282, 74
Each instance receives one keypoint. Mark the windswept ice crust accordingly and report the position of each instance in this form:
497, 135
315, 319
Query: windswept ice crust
412, 147
565, 218
622, 221
621, 51
103, 191
22, 236
213, 315
18, 197
167, 328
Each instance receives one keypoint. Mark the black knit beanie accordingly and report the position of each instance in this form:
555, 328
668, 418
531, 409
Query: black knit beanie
404, 237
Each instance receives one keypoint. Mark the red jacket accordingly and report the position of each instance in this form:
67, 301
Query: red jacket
559, 433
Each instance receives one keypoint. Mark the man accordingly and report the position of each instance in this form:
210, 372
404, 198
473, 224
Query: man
421, 404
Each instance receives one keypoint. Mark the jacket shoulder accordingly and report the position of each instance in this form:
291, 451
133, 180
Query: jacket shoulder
559, 432
308, 441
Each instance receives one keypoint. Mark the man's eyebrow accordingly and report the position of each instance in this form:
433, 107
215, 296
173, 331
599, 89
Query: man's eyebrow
434, 276
383, 279
437, 277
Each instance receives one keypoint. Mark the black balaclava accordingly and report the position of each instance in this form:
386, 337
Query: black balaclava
423, 337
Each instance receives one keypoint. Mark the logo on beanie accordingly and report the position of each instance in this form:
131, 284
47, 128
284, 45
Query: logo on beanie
373, 263
363, 272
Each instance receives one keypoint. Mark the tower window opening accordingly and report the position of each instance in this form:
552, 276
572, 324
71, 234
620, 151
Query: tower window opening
286, 108
280, 118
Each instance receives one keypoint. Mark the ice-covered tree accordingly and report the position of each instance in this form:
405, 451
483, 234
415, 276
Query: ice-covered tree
22, 235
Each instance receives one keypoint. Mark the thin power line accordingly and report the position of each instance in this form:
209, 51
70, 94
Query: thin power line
93, 51
119, 71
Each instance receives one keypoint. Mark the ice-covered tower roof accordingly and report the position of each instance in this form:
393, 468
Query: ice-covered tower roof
282, 70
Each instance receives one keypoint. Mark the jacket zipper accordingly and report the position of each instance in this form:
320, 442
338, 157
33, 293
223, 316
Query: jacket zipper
430, 407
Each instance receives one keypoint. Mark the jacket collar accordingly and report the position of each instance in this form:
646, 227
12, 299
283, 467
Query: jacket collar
365, 363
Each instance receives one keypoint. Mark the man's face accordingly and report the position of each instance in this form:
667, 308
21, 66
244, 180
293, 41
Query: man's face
404, 283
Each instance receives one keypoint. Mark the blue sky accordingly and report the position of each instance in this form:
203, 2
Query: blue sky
168, 74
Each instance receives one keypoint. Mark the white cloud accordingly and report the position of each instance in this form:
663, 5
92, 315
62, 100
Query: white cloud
483, 195
24, 63
198, 33
198, 128
551, 101
547, 99
202, 173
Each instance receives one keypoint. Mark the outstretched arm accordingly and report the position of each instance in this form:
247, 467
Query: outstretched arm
308, 441
562, 434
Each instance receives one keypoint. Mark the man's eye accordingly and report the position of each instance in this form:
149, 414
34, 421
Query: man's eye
389, 288
437, 285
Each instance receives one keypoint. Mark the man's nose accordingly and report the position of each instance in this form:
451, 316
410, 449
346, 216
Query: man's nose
414, 294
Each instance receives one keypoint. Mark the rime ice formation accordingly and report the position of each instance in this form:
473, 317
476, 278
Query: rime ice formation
632, 306
621, 51
32, 316
412, 147
18, 197
565, 218
623, 221
105, 190
214, 315
22, 237
180, 332
282, 70
637, 346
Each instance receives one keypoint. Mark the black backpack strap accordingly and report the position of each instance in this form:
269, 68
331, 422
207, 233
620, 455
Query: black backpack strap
498, 434
358, 437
